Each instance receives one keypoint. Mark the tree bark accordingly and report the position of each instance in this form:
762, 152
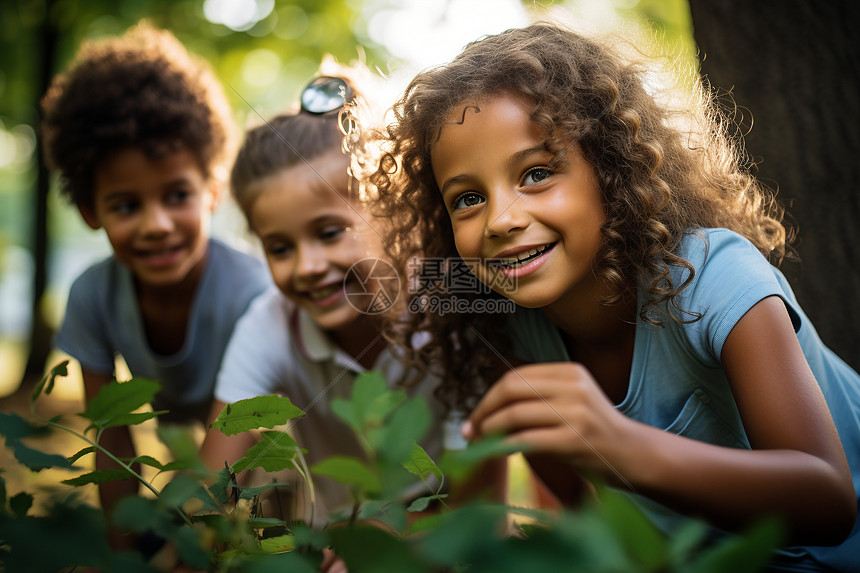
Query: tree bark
794, 67
40, 332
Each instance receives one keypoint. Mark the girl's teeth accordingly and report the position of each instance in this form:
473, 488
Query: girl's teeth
520, 259
323, 293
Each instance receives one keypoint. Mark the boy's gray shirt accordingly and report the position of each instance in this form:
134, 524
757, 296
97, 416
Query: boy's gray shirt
103, 319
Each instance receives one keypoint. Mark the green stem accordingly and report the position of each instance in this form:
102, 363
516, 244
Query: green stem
122, 464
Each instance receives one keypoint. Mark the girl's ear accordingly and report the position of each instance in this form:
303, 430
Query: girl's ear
90, 217
216, 190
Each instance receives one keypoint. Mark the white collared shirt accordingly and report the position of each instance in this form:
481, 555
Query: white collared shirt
277, 348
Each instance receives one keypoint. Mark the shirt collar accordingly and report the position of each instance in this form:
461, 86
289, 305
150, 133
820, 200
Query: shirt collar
311, 341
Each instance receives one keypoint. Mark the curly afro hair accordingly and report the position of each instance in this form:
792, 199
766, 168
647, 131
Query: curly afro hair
142, 90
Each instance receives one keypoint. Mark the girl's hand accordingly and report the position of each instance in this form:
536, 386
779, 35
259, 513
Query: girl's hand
557, 409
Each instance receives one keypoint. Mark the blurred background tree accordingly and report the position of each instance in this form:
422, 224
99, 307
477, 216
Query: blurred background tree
793, 69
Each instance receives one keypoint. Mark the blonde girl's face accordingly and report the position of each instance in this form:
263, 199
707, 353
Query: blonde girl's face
312, 235
526, 222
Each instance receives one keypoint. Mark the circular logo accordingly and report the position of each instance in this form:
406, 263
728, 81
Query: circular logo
372, 286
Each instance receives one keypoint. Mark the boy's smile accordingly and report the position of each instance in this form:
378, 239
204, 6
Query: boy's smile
156, 213
525, 213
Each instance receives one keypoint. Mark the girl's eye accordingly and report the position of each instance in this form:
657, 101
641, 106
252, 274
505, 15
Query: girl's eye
278, 250
467, 199
536, 175
331, 232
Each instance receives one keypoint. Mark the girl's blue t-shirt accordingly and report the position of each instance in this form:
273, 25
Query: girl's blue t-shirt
103, 319
677, 382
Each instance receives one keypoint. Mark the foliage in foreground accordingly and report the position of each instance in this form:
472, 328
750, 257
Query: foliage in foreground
218, 527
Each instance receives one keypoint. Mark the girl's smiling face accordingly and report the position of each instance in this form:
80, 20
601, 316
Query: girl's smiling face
523, 218
312, 235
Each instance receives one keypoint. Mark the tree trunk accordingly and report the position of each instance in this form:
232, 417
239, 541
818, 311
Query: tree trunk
795, 68
40, 332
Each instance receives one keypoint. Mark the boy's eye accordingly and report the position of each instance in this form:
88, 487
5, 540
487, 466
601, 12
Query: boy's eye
467, 199
123, 207
536, 175
178, 196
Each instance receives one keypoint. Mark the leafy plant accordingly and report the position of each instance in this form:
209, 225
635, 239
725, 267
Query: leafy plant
213, 523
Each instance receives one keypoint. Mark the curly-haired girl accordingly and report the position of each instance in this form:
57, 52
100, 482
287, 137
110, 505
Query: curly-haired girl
657, 347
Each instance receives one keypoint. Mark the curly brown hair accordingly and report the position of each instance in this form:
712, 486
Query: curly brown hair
141, 90
662, 171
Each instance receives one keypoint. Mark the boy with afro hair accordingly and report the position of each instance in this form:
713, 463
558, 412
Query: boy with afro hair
139, 132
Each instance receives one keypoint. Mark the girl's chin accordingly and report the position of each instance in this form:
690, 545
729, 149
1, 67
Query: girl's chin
334, 319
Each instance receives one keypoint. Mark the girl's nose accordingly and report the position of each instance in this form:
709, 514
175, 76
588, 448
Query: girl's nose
310, 260
505, 214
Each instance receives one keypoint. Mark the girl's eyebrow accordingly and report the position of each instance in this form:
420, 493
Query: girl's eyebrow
515, 158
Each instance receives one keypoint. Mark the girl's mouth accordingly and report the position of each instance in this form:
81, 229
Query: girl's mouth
325, 296
323, 293
520, 259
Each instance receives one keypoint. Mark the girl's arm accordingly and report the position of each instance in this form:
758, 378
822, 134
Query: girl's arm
796, 470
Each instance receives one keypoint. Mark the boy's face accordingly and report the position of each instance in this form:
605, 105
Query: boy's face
156, 213
312, 236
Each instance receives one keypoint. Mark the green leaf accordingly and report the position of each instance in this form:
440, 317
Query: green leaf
219, 489
135, 513
16, 427
746, 552
278, 544
407, 424
365, 548
372, 401
265, 522
21, 503
190, 549
119, 399
133, 419
258, 412
34, 459
391, 514
252, 492
147, 461
274, 452
183, 447
97, 476
178, 490
60, 369
421, 464
640, 537
684, 541
422, 503
351, 472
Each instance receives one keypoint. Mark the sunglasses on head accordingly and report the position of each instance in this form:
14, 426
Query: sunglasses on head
327, 95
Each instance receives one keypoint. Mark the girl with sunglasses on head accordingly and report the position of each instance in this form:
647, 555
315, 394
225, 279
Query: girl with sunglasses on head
309, 337
659, 349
